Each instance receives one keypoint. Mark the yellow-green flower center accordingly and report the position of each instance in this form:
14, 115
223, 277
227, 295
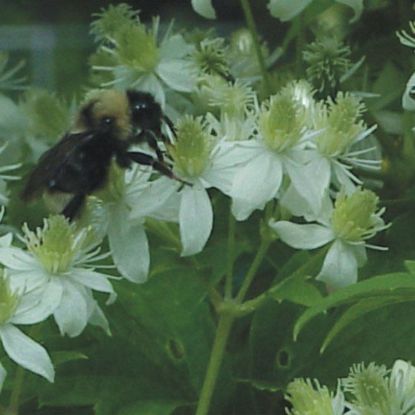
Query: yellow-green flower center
8, 300
353, 216
53, 245
193, 147
340, 124
137, 47
307, 400
281, 123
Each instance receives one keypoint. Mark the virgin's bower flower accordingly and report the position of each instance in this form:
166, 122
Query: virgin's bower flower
135, 56
346, 226
57, 273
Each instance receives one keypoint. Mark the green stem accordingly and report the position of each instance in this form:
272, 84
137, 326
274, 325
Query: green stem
250, 275
231, 256
215, 361
13, 408
250, 21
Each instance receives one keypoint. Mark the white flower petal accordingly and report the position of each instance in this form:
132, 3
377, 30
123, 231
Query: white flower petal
255, 184
175, 47
94, 280
153, 198
311, 181
408, 103
16, 259
204, 8
97, 318
26, 352
356, 5
339, 267
72, 314
309, 236
6, 240
39, 304
129, 245
177, 74
196, 219
287, 9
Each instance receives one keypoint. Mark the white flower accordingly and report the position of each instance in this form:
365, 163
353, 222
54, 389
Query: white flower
19, 309
202, 161
128, 200
346, 227
376, 392
334, 150
5, 176
56, 273
277, 149
139, 60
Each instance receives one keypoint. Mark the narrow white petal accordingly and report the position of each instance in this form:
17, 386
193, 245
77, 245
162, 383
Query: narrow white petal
408, 103
16, 259
175, 47
196, 219
72, 314
255, 184
287, 9
311, 181
97, 318
177, 74
204, 8
129, 245
359, 252
93, 280
39, 304
339, 267
294, 202
26, 352
152, 199
309, 236
6, 240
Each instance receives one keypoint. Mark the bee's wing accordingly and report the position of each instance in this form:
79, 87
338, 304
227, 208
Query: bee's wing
53, 161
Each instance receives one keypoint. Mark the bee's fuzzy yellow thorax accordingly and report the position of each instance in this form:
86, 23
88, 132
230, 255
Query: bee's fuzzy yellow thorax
107, 103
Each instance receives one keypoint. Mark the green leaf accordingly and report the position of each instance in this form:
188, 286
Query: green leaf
356, 311
297, 290
410, 266
373, 287
62, 357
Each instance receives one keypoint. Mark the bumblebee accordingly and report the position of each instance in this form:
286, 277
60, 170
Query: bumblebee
105, 128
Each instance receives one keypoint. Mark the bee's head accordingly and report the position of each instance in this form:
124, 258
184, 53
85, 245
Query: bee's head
145, 112
106, 111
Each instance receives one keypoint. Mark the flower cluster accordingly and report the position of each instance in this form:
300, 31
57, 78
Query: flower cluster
370, 389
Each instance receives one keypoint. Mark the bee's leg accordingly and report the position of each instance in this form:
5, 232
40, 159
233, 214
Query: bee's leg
152, 142
171, 126
72, 209
151, 139
147, 160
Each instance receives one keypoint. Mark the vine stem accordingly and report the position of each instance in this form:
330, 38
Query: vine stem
13, 408
250, 21
215, 361
231, 256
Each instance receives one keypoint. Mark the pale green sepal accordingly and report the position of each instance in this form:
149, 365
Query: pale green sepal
356, 5
204, 8
287, 9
